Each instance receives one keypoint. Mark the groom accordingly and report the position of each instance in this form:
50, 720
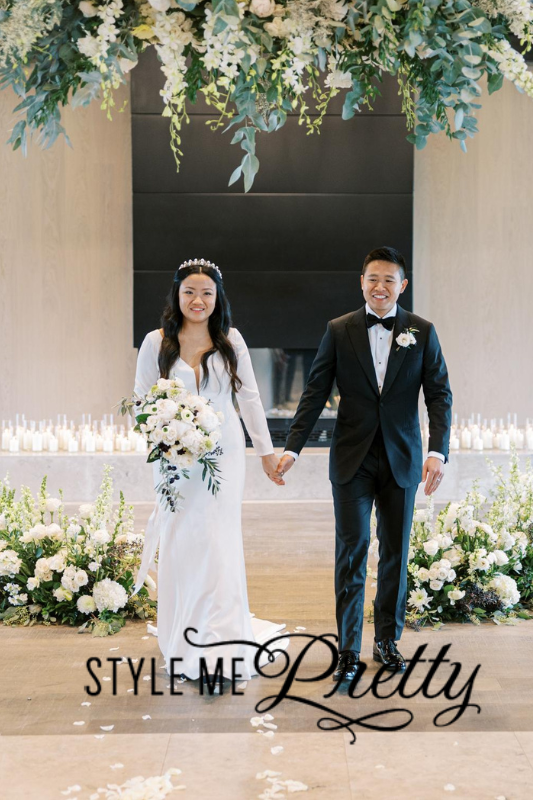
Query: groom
380, 357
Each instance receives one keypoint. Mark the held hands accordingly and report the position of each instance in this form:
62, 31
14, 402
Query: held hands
284, 465
270, 467
432, 474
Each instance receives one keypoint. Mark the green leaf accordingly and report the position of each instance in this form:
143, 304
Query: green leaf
459, 117
250, 167
235, 175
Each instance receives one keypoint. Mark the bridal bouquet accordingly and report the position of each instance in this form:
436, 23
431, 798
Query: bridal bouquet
181, 429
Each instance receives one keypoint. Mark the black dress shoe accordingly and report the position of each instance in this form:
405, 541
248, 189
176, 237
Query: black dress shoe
386, 653
347, 667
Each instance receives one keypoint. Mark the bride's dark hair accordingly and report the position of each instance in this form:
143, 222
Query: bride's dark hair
219, 324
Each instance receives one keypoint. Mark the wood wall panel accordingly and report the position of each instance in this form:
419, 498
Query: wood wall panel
473, 256
66, 279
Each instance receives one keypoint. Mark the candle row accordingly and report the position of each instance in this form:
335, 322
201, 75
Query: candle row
87, 438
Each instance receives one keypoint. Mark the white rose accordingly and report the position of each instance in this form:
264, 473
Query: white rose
101, 536
43, 570
94, 566
431, 547
423, 574
33, 583
412, 339
87, 9
52, 504
451, 576
160, 5
436, 585
86, 604
262, 8
86, 510
403, 340
166, 409
207, 420
54, 531
38, 531
163, 384
57, 562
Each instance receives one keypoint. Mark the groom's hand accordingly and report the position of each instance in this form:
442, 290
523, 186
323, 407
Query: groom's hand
284, 465
432, 474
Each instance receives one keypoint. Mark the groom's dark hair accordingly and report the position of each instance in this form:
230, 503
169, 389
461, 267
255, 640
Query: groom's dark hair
386, 254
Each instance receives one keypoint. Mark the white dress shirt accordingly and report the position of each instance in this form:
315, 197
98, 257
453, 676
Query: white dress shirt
380, 345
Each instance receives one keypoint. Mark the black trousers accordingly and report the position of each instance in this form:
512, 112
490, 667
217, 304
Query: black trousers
373, 482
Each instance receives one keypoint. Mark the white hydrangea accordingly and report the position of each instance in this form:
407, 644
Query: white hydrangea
109, 595
10, 563
506, 589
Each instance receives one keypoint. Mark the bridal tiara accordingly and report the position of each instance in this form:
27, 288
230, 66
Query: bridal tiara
197, 262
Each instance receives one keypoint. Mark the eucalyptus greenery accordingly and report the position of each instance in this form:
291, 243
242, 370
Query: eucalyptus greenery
256, 61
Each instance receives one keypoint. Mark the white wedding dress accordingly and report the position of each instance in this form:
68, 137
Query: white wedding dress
201, 572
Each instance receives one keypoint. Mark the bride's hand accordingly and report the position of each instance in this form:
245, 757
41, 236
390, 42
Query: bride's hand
270, 465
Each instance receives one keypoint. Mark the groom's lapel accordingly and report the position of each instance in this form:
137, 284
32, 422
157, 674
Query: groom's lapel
358, 335
397, 354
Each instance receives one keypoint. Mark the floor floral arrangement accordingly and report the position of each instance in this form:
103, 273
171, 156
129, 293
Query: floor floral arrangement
474, 560
257, 61
69, 570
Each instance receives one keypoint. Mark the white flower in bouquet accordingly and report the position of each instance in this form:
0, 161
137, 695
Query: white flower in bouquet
488, 529
43, 571
422, 515
52, 504
435, 585
85, 604
73, 579
262, 8
53, 531
423, 574
88, 9
279, 28
479, 560
451, 576
73, 530
36, 534
500, 557
443, 540
18, 599
57, 562
3, 522
166, 409
442, 568
431, 547
505, 540
339, 80
109, 595
521, 542
454, 555
33, 583
61, 594
187, 415
86, 510
418, 598
193, 441
94, 566
10, 563
506, 589
208, 420
454, 595
160, 5
450, 517
100, 536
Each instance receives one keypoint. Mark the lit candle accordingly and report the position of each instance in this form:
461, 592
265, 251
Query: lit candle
14, 445
28, 440
529, 438
478, 443
73, 446
108, 445
90, 443
6, 438
37, 443
141, 446
466, 439
454, 443
125, 445
487, 439
99, 442
520, 440
53, 444
505, 443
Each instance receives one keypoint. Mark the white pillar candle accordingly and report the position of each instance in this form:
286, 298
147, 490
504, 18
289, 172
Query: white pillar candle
99, 442
125, 445
14, 445
46, 439
466, 439
454, 443
53, 444
6, 438
73, 446
37, 443
520, 440
529, 439
28, 440
512, 435
141, 446
487, 439
108, 445
478, 444
90, 443
505, 443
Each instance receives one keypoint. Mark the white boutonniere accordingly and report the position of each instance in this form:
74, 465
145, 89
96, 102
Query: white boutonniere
406, 338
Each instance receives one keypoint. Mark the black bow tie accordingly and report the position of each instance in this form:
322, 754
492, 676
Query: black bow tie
387, 322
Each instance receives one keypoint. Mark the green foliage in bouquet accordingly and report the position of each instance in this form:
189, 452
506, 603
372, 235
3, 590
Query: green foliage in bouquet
73, 571
257, 61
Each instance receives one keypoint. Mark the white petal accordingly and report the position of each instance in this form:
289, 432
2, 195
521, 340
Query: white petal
113, 648
145, 637
268, 773
449, 787
99, 735
129, 690
146, 678
268, 717
81, 722
299, 628
270, 725
256, 721
242, 685
276, 750
117, 766
269, 734
86, 703
106, 679
147, 716
380, 766
106, 727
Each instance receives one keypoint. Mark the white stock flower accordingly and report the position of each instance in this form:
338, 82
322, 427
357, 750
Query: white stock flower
18, 599
73, 530
431, 547
109, 595
262, 8
52, 504
478, 560
86, 604
450, 517
10, 563
3, 522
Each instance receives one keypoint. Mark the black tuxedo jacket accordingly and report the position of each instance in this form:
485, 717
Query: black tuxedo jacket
345, 355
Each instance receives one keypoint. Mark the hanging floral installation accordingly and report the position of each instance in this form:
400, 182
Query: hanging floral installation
257, 61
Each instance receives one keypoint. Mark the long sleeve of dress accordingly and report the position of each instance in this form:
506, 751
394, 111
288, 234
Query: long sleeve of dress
249, 401
147, 372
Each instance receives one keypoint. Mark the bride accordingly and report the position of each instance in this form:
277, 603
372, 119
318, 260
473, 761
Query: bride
201, 572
